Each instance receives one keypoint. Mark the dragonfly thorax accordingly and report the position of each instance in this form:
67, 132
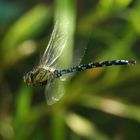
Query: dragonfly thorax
38, 76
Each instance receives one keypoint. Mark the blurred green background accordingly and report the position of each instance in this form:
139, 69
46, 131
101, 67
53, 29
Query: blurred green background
99, 104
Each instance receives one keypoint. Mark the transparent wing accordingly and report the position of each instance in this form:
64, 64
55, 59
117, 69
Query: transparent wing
54, 91
55, 46
78, 55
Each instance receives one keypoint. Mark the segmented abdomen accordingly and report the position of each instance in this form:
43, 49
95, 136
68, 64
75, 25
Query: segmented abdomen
59, 73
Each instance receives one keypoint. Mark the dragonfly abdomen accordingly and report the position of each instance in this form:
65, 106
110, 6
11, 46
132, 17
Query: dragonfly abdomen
82, 67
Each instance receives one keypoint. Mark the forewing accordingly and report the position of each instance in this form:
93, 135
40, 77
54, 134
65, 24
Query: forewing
55, 46
54, 91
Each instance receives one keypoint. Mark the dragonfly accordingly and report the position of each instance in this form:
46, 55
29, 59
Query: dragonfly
47, 73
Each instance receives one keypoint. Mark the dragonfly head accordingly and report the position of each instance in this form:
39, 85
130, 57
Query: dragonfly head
28, 78
38, 76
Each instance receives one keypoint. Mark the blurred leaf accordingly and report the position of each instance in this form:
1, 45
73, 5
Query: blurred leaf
84, 127
58, 124
27, 27
111, 106
65, 12
135, 19
6, 129
24, 49
122, 3
23, 104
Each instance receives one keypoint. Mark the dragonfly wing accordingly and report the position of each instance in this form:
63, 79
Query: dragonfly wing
55, 46
77, 58
78, 55
54, 91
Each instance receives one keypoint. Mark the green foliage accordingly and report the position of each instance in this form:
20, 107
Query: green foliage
99, 104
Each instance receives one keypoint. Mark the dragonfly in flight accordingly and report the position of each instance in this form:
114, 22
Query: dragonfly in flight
46, 72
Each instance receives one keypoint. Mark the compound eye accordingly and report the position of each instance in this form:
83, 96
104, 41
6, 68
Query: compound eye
28, 79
